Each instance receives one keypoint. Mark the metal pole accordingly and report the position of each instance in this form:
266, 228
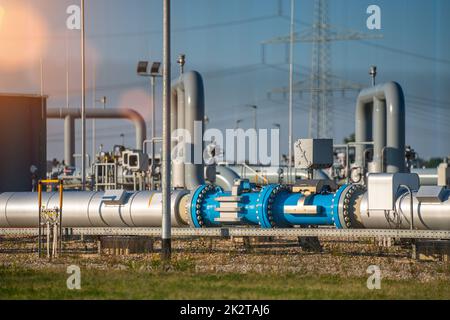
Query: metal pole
166, 223
40, 219
153, 80
291, 87
67, 72
255, 119
94, 102
83, 100
373, 74
61, 186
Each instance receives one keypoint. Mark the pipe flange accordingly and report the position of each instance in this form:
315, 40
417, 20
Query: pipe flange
196, 202
347, 206
266, 200
262, 203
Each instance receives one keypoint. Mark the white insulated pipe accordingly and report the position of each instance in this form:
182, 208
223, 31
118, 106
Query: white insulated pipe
188, 109
426, 215
92, 209
383, 104
69, 115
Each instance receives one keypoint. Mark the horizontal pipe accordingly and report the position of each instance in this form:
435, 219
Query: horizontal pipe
269, 207
119, 113
426, 216
91, 209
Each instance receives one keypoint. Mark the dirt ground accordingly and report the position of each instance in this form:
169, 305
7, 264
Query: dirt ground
342, 257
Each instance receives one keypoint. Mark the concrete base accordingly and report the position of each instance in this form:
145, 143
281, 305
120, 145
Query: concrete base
310, 244
433, 250
121, 245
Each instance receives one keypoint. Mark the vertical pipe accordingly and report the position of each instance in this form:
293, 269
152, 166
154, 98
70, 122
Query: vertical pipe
395, 114
379, 133
363, 130
153, 84
67, 71
94, 101
83, 100
194, 115
291, 86
178, 117
166, 223
69, 140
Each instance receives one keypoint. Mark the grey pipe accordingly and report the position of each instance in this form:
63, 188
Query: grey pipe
225, 177
69, 140
379, 134
89, 209
425, 216
69, 129
428, 177
177, 122
369, 102
192, 101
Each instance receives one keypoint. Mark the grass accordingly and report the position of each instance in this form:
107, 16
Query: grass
182, 283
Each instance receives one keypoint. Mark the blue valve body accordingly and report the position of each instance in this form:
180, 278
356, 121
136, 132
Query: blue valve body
265, 207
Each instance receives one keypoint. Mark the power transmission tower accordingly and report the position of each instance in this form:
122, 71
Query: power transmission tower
321, 83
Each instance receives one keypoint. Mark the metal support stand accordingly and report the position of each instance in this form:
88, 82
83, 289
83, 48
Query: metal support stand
58, 211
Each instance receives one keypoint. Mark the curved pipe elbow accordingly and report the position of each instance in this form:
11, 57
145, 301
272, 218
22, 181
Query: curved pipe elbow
119, 113
392, 94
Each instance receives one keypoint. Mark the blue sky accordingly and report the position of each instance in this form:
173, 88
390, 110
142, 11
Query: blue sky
221, 40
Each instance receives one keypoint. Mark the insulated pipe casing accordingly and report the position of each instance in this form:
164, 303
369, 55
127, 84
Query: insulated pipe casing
426, 216
188, 93
379, 134
69, 128
367, 105
91, 209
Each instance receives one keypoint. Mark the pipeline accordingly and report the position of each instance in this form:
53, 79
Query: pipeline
290, 206
384, 105
69, 116
92, 209
188, 109
351, 206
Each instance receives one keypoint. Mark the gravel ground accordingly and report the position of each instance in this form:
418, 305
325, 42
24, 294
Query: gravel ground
280, 255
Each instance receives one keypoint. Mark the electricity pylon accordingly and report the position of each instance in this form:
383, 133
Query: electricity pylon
321, 83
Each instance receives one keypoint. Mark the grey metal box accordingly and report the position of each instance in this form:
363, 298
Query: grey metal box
444, 175
383, 187
313, 153
431, 194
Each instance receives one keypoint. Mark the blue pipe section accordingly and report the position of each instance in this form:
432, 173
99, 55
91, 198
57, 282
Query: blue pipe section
265, 207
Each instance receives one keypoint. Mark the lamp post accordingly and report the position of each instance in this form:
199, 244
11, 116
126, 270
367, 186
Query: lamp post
83, 99
291, 88
166, 234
